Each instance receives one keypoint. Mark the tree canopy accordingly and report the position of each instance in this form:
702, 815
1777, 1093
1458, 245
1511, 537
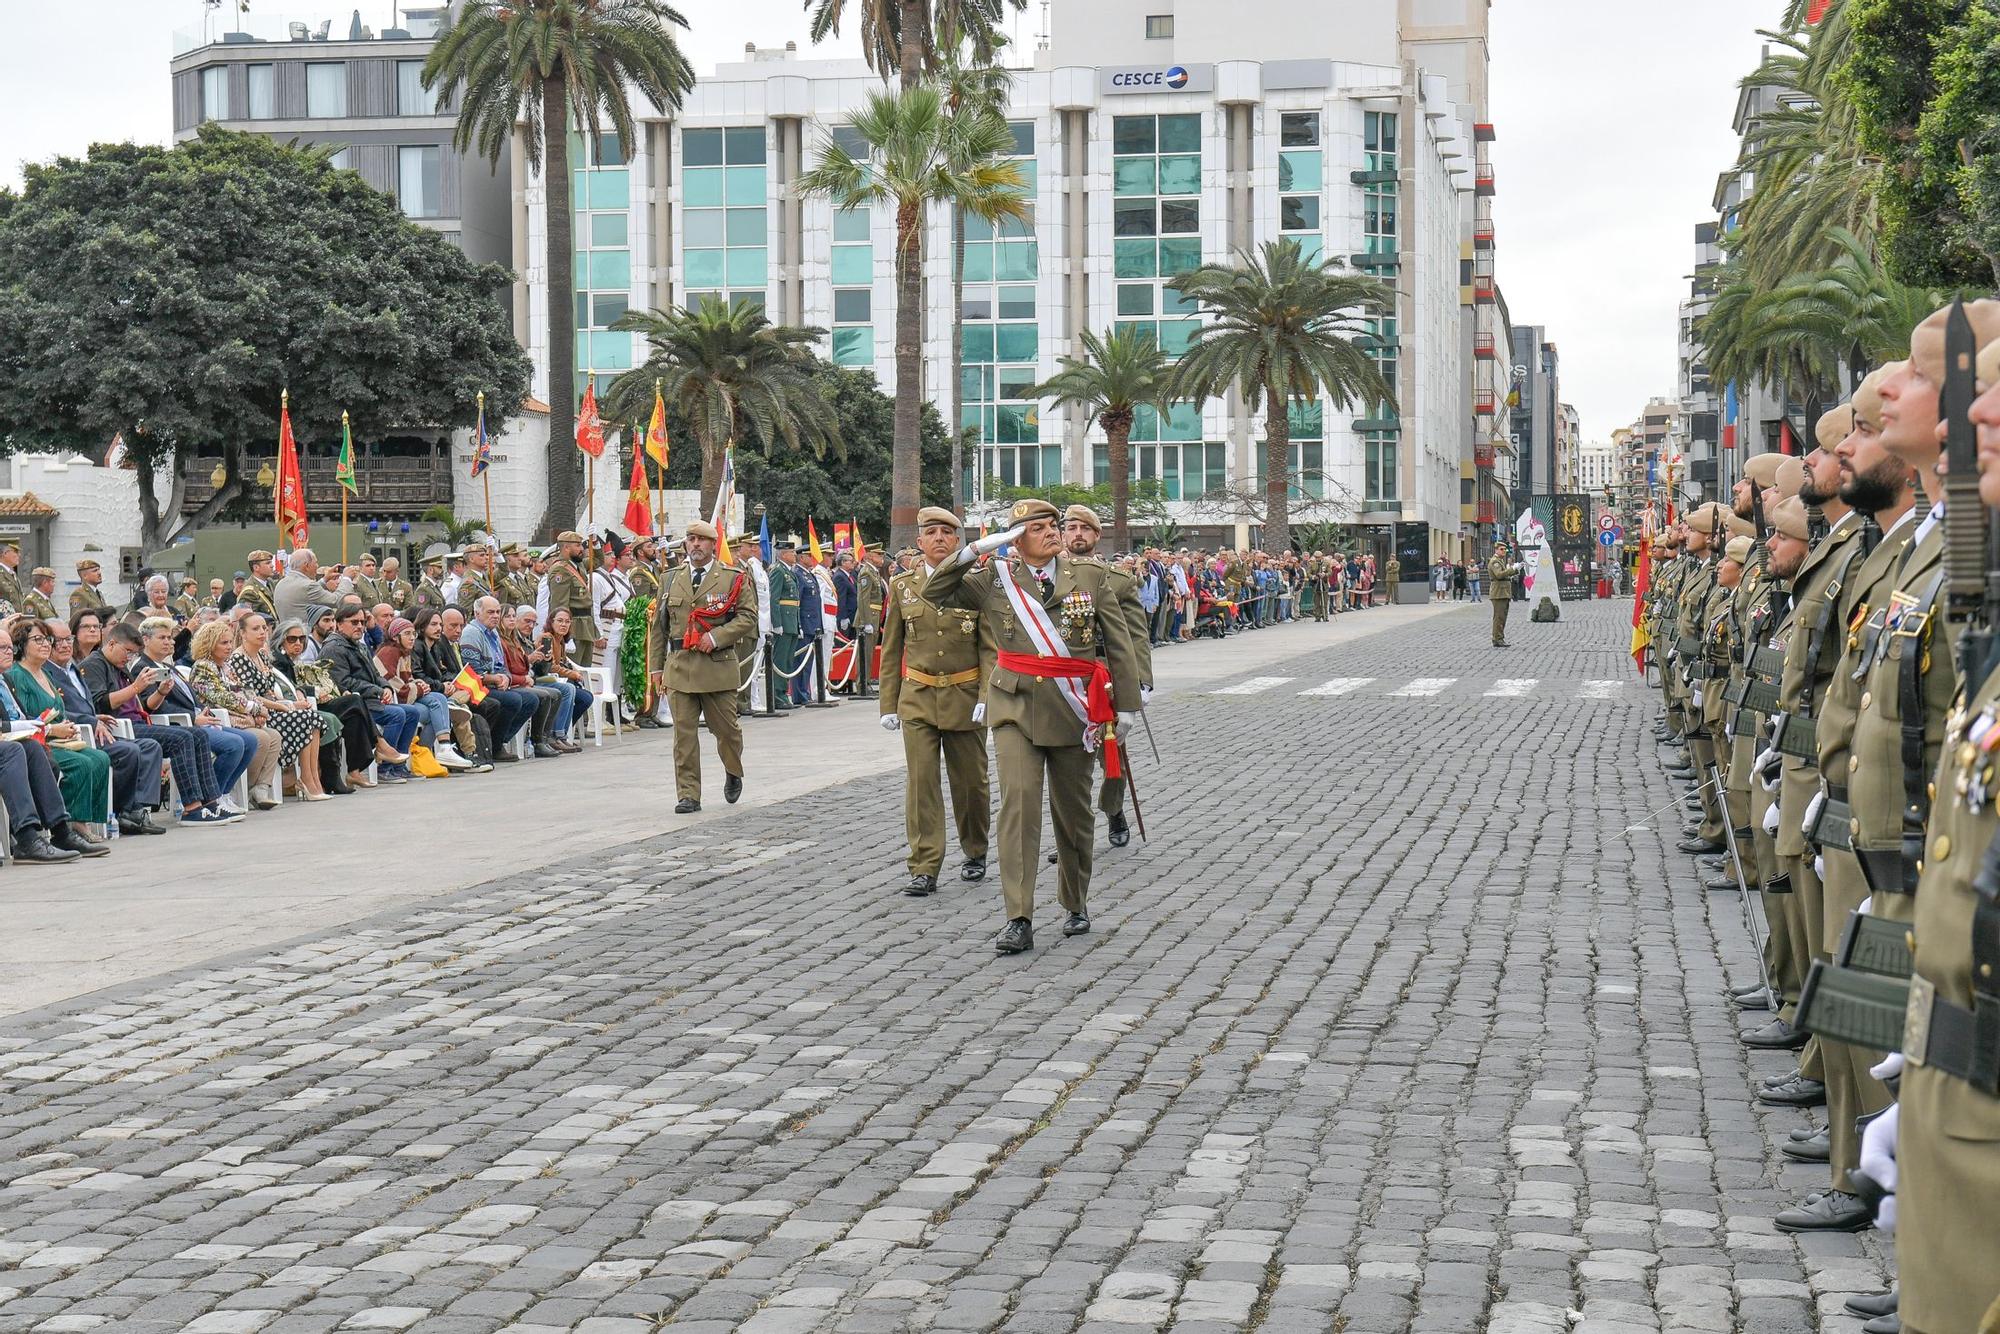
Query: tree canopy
173, 294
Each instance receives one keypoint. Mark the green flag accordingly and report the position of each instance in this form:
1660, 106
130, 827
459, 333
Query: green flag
343, 472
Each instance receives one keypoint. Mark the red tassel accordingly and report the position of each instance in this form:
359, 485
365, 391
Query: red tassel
1114, 765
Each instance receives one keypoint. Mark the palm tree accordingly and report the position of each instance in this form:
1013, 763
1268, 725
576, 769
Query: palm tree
1281, 330
1116, 376
902, 37
456, 532
546, 65
917, 157
726, 369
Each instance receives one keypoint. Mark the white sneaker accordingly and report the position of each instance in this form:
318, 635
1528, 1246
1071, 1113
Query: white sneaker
229, 806
449, 757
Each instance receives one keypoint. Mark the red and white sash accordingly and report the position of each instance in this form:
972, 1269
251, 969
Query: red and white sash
1083, 677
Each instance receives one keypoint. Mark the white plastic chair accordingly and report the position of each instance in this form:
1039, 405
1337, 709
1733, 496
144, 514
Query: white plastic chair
240, 794
603, 704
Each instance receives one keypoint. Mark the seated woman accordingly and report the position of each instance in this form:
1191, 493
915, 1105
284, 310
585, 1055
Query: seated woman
359, 741
210, 647
290, 714
396, 660
555, 668
435, 662
85, 773
552, 710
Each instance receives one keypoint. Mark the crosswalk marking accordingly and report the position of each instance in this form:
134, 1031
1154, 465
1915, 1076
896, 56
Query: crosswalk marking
1255, 685
1601, 689
1511, 687
1340, 685
1425, 685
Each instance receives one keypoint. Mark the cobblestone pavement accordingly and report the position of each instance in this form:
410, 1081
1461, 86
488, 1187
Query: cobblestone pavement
1388, 1027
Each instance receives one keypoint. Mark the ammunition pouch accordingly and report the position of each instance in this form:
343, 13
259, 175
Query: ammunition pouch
1779, 884
1760, 696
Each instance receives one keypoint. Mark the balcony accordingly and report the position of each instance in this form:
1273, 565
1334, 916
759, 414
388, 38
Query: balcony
1372, 177
1485, 347
1482, 180
1482, 132
1482, 235
1485, 403
1484, 292
1488, 512
1482, 456
399, 485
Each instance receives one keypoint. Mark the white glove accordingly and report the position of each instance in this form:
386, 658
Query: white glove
1811, 817
1770, 780
891, 723
1888, 1068
1878, 1162
1145, 696
1697, 697
1771, 821
1864, 904
1819, 866
979, 713
993, 542
1128, 720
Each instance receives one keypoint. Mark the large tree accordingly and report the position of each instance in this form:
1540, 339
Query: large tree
918, 156
172, 295
1281, 329
540, 68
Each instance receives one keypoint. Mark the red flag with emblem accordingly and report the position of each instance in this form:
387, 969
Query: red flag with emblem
291, 492
589, 426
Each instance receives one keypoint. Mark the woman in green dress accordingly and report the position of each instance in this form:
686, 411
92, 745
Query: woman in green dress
85, 771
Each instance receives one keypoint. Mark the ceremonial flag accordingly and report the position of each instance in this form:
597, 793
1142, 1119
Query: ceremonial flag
843, 537
656, 430
860, 548
812, 543
1816, 11
721, 516
1640, 637
482, 446
343, 471
639, 506
468, 681
589, 427
764, 540
291, 493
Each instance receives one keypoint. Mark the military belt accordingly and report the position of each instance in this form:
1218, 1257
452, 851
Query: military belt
964, 678
788, 602
1848, 1005
1705, 671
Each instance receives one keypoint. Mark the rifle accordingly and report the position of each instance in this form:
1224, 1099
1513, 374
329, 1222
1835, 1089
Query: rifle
1972, 570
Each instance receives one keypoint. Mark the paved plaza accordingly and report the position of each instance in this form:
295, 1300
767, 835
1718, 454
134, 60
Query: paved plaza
1389, 1026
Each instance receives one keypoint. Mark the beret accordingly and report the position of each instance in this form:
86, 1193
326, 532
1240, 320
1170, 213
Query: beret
1032, 508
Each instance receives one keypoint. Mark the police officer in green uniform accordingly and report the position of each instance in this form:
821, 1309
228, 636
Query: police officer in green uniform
1082, 529
706, 616
1043, 605
569, 587
1501, 572
934, 663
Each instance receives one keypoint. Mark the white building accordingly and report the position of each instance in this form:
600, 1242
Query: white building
1598, 466
1155, 136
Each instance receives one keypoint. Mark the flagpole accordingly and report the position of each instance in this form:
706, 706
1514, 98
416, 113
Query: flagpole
484, 480
278, 491
346, 443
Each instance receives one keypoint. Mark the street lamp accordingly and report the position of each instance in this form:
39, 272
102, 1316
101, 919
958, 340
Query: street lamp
266, 477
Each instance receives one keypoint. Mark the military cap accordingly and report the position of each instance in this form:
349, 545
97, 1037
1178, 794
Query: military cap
455, 555
10, 543
569, 535
1084, 514
511, 549
87, 564
701, 528
1989, 363
1927, 339
1834, 425
1715, 519
257, 556
930, 514
1788, 516
188, 580
786, 545
1030, 509
1868, 395
43, 572
1762, 469
1738, 550
1790, 477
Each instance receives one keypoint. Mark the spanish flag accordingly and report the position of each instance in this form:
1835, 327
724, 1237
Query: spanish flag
468, 681
812, 543
1641, 638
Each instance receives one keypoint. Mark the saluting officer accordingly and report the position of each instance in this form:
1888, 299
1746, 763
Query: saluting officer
1064, 645
568, 586
934, 662
706, 616
1081, 531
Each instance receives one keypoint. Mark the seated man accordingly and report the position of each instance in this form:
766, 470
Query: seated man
354, 671
480, 648
117, 676
135, 764
35, 810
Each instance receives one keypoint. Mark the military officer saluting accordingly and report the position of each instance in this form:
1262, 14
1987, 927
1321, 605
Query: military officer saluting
1066, 673
934, 662
705, 621
1081, 531
568, 586
87, 597
1501, 572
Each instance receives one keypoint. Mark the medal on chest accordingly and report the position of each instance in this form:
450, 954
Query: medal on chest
1079, 617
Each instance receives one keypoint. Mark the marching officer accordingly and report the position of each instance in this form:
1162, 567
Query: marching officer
91, 575
706, 616
934, 661
1081, 531
257, 588
1501, 572
1065, 674
568, 586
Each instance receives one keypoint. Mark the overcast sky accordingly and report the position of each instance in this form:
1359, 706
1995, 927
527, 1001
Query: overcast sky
1613, 121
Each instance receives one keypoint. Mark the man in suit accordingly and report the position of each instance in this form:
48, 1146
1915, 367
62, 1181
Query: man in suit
354, 671
35, 810
480, 647
934, 661
1066, 675
121, 682
135, 764
707, 613
300, 595
1081, 531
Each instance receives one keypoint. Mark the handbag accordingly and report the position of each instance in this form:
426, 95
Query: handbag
424, 764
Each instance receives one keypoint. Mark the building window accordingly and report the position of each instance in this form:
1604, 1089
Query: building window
1378, 484
215, 93
1378, 198
326, 90
412, 98
1156, 224
1298, 129
261, 82
420, 181
340, 160
1002, 342
1159, 26
853, 305
725, 226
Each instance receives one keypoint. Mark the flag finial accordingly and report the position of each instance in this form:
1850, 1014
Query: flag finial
482, 398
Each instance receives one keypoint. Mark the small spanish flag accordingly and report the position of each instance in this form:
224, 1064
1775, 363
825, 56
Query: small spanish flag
468, 681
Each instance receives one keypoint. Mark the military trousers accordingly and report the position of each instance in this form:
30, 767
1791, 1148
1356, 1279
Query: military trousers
1804, 913
963, 756
717, 708
1850, 1090
1948, 1175
1702, 750
585, 652
1026, 769
1500, 606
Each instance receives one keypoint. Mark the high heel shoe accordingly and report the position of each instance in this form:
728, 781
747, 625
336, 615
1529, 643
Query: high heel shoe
317, 796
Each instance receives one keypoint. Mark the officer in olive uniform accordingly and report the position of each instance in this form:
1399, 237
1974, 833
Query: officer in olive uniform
869, 588
645, 572
477, 581
370, 586
90, 574
1082, 530
706, 618
1067, 610
430, 582
934, 661
257, 588
184, 603
39, 599
402, 594
569, 586
1393, 572
1501, 572
11, 591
